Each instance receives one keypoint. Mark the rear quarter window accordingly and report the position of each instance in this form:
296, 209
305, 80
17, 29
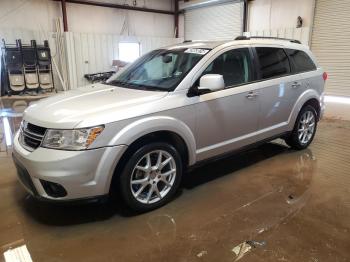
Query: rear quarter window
300, 61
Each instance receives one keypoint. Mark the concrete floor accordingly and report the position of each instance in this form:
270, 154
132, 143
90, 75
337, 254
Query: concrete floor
288, 205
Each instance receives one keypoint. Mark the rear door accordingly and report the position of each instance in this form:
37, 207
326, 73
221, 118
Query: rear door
277, 90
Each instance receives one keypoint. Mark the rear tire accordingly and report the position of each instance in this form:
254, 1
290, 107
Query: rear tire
151, 176
304, 129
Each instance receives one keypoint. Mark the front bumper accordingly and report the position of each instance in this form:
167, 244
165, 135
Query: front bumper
323, 108
83, 174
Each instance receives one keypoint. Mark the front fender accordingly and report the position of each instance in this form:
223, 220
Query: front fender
142, 127
303, 98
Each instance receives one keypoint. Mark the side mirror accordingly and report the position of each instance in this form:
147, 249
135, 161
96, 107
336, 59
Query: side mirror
213, 82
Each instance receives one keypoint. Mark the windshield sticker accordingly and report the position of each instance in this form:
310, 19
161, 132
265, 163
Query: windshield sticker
198, 51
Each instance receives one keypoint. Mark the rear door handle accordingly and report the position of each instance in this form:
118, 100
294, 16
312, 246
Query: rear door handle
296, 85
252, 95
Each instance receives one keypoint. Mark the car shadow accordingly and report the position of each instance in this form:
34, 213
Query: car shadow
88, 212
231, 163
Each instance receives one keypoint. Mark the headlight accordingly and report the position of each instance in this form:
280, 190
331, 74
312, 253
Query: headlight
74, 139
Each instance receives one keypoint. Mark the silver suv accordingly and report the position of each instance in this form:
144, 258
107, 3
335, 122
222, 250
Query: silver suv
172, 108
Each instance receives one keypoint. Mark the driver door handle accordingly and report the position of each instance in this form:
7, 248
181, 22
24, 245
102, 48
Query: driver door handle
296, 85
252, 95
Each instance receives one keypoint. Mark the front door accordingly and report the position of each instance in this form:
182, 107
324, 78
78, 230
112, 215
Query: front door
228, 119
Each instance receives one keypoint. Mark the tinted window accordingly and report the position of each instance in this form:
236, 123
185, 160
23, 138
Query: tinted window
233, 65
301, 62
273, 62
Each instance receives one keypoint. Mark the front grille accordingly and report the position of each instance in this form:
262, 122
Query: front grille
31, 135
36, 129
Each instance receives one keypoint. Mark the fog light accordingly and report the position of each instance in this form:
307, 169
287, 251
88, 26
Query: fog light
53, 189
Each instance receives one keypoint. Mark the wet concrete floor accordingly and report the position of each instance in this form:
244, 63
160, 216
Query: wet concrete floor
268, 204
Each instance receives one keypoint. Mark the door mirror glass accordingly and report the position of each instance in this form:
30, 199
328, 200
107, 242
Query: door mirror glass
212, 82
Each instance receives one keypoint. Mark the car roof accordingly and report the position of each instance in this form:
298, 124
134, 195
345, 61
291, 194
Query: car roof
256, 41
198, 44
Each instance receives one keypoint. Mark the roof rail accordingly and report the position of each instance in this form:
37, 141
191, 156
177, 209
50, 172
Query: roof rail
267, 37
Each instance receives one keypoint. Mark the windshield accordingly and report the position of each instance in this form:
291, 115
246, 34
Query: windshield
160, 69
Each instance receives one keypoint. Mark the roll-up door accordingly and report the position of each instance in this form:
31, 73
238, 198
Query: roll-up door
214, 22
331, 44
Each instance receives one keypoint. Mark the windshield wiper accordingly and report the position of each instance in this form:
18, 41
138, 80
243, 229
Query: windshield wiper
136, 86
118, 83
146, 87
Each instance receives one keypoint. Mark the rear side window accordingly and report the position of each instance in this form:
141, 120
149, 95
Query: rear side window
273, 62
300, 61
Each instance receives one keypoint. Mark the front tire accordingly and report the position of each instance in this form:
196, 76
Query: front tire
304, 129
151, 176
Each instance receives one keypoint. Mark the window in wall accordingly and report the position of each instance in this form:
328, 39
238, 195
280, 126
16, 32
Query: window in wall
301, 62
129, 52
273, 62
233, 65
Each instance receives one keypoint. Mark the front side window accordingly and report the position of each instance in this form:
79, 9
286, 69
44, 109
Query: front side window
160, 69
233, 65
301, 62
273, 62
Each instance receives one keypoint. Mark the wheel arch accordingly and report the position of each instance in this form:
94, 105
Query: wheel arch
166, 136
168, 128
151, 129
315, 104
309, 97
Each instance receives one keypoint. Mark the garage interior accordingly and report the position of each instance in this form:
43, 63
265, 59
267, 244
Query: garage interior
270, 203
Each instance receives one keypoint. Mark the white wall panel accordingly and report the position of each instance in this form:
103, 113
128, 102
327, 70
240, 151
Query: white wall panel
215, 22
274, 14
40, 15
302, 34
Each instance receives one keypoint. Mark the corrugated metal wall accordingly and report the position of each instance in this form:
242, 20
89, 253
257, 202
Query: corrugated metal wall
331, 43
217, 22
93, 53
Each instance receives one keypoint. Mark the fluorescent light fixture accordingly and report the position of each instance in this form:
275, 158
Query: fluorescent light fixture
337, 99
129, 52
7, 129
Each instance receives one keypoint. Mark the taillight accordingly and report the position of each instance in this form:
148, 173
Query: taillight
325, 76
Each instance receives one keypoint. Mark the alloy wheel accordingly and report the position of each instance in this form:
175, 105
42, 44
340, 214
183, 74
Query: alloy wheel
306, 127
153, 176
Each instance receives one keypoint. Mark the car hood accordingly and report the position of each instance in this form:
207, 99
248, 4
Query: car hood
90, 105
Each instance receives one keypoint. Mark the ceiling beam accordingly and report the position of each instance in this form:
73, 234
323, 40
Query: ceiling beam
118, 6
